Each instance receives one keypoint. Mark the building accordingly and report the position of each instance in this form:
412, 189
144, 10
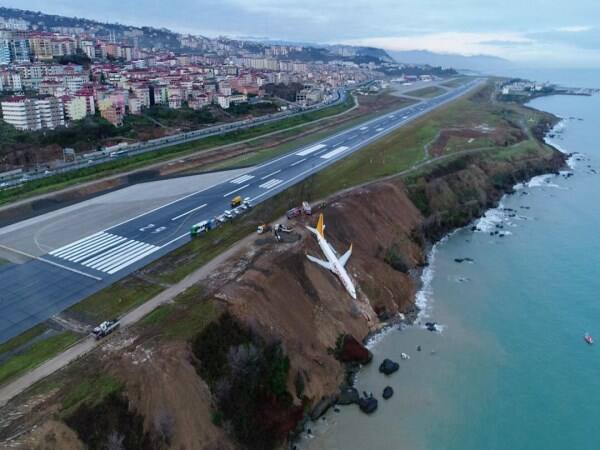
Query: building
4, 53
33, 113
223, 101
76, 108
134, 104
112, 112
10, 81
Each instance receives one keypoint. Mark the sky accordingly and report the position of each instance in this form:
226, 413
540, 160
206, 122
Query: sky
541, 33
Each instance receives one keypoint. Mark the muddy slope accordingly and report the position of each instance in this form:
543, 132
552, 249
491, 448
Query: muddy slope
274, 292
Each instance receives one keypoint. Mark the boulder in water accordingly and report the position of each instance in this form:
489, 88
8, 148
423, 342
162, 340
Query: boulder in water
388, 366
347, 396
387, 392
368, 405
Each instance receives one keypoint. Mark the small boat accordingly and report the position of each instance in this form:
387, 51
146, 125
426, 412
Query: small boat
587, 338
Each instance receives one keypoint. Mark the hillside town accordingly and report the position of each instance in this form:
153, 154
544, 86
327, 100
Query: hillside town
50, 78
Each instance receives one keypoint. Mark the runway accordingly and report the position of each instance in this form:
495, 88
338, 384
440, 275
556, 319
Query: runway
58, 277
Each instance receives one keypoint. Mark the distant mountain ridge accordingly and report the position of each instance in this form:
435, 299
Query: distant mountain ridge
477, 63
162, 38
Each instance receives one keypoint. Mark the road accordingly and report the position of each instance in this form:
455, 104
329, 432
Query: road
95, 158
32, 292
87, 344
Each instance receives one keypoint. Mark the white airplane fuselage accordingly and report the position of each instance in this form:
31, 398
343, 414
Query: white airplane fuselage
336, 267
333, 263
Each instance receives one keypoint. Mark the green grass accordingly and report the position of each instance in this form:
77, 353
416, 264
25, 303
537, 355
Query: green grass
60, 181
189, 314
199, 251
456, 82
91, 389
22, 338
427, 92
115, 300
35, 355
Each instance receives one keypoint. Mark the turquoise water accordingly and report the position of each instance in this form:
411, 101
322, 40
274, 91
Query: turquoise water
510, 369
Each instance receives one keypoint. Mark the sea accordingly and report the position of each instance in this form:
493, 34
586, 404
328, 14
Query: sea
509, 368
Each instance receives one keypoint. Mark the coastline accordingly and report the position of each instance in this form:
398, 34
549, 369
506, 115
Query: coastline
423, 296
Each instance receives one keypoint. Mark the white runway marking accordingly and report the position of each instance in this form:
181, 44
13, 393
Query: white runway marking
310, 150
189, 212
105, 252
236, 190
242, 179
364, 128
379, 129
297, 162
335, 152
271, 183
271, 174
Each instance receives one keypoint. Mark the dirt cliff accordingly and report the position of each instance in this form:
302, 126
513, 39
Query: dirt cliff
269, 355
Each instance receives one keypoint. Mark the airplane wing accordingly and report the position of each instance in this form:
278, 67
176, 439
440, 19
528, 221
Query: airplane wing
320, 262
344, 258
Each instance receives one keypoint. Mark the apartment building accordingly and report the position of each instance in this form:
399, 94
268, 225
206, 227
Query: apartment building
33, 113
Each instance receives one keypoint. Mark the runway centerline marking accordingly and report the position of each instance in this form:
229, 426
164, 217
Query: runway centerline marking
236, 190
189, 212
298, 162
270, 175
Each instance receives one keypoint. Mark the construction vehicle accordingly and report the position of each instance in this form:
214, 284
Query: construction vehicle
306, 208
105, 328
294, 212
236, 201
284, 229
264, 228
203, 227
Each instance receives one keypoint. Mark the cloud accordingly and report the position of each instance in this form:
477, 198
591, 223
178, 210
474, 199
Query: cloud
450, 42
574, 29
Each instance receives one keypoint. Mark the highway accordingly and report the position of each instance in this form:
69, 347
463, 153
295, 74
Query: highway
91, 159
45, 285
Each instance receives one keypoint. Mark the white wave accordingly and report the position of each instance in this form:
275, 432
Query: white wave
425, 294
379, 336
490, 219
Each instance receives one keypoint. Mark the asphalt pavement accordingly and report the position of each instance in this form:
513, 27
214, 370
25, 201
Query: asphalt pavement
34, 291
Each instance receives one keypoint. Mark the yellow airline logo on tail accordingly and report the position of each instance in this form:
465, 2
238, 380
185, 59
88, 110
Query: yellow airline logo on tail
321, 226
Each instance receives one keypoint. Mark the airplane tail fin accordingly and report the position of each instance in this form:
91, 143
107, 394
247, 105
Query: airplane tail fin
320, 230
321, 226
346, 256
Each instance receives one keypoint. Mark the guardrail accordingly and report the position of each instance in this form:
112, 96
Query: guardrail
169, 141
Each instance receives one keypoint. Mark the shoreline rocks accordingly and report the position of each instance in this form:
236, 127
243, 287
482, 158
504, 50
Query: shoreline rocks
388, 367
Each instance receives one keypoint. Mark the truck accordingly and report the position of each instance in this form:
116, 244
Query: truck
264, 228
105, 328
306, 208
236, 201
202, 227
294, 212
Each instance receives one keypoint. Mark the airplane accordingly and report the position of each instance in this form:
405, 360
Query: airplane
333, 263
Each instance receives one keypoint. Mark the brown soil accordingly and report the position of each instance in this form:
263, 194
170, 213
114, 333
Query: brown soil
275, 291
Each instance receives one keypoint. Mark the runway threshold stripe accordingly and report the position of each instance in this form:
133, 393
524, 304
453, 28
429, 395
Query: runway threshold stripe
114, 262
96, 249
335, 152
131, 261
73, 243
310, 150
78, 244
82, 249
242, 179
271, 183
110, 253
122, 257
